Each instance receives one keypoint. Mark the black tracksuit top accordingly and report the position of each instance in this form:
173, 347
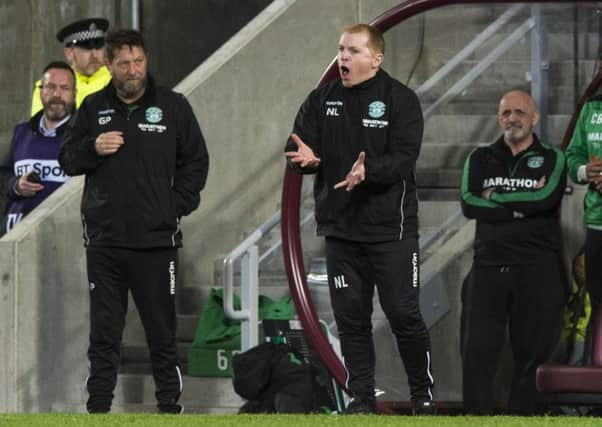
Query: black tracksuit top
136, 197
500, 238
383, 118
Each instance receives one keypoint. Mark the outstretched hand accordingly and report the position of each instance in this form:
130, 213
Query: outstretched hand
356, 175
304, 156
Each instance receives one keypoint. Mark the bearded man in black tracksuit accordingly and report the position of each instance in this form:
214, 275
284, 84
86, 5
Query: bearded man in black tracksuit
145, 161
361, 136
513, 189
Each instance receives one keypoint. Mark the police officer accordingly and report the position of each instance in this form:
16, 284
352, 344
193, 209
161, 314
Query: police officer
84, 50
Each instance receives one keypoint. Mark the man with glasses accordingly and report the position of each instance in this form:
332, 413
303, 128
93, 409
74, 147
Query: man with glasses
31, 172
84, 49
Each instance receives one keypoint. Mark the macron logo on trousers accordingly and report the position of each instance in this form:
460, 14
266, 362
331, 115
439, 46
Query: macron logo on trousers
172, 277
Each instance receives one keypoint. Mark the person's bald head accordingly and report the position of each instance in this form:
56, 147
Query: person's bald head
517, 115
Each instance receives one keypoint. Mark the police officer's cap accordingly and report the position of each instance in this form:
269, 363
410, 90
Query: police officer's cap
86, 33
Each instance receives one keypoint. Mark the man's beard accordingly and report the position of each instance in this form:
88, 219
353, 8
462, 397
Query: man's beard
516, 134
55, 114
132, 88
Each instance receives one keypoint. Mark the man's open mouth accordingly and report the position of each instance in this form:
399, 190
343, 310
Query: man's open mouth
344, 71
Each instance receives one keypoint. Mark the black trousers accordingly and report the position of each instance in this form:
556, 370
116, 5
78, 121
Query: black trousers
593, 270
150, 275
529, 300
353, 271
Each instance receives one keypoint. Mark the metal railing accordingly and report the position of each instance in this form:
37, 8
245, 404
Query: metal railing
248, 253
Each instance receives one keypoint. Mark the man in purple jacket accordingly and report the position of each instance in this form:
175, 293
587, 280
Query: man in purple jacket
30, 171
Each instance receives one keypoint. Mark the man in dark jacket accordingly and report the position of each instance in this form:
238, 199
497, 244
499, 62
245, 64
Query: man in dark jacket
361, 136
513, 189
31, 172
145, 162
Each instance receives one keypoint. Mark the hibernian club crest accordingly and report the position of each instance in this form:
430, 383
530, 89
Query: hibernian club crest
376, 109
154, 115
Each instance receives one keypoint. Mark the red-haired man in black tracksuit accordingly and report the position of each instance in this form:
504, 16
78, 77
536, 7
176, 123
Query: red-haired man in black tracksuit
513, 189
361, 136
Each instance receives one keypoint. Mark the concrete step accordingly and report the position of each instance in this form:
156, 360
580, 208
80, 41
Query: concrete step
433, 213
136, 393
439, 178
135, 357
476, 129
483, 94
560, 45
440, 156
428, 194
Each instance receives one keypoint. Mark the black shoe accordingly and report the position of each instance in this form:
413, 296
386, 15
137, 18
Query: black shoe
424, 407
98, 406
361, 406
170, 408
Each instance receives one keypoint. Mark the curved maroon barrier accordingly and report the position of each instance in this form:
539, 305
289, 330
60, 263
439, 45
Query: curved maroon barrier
291, 194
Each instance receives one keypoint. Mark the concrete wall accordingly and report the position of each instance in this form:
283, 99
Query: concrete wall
44, 308
195, 29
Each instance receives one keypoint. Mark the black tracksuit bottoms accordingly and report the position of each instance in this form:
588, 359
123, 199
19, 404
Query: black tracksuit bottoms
527, 299
150, 275
354, 269
593, 272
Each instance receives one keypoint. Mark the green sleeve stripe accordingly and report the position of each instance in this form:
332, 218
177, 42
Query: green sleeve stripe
467, 196
542, 193
577, 151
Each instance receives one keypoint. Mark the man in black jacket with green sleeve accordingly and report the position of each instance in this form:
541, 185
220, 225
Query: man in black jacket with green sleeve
513, 189
145, 161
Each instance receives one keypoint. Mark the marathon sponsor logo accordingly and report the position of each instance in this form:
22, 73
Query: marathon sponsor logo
373, 123
334, 103
594, 136
49, 170
509, 183
148, 127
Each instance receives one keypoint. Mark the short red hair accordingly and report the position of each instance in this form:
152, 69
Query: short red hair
376, 41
